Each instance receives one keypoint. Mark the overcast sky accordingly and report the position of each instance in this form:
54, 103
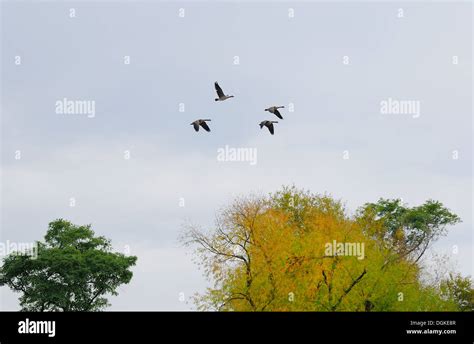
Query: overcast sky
292, 61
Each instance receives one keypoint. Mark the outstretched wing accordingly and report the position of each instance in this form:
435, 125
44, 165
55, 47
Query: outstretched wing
270, 127
219, 91
205, 126
196, 126
278, 114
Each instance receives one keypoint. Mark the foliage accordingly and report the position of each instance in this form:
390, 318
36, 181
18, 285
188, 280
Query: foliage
271, 254
73, 271
460, 290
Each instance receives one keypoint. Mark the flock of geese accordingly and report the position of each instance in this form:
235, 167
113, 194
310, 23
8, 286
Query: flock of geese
221, 96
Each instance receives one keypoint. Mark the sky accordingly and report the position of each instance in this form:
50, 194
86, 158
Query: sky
330, 64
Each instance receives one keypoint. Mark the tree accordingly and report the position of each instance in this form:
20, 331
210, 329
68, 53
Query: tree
460, 290
409, 231
297, 251
72, 271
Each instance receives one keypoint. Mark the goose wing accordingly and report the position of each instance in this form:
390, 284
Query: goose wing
205, 126
270, 127
196, 126
278, 114
219, 91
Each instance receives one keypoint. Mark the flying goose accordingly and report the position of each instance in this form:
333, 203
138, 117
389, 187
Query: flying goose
269, 125
220, 93
202, 123
274, 110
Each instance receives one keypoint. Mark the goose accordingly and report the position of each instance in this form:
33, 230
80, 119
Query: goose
220, 93
202, 123
269, 125
274, 110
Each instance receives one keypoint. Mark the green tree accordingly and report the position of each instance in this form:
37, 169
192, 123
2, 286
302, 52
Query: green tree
409, 231
72, 270
459, 289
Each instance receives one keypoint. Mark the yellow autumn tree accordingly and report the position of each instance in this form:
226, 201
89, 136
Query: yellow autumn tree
297, 251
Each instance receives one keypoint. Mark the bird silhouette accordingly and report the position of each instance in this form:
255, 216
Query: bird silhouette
274, 110
269, 125
220, 94
202, 123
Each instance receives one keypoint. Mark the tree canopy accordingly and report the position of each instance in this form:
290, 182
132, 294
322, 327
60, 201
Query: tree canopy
73, 270
298, 251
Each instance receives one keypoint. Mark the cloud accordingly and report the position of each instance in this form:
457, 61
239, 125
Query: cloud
135, 202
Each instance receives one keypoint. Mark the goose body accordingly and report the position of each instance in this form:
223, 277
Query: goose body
220, 94
202, 123
269, 125
274, 110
